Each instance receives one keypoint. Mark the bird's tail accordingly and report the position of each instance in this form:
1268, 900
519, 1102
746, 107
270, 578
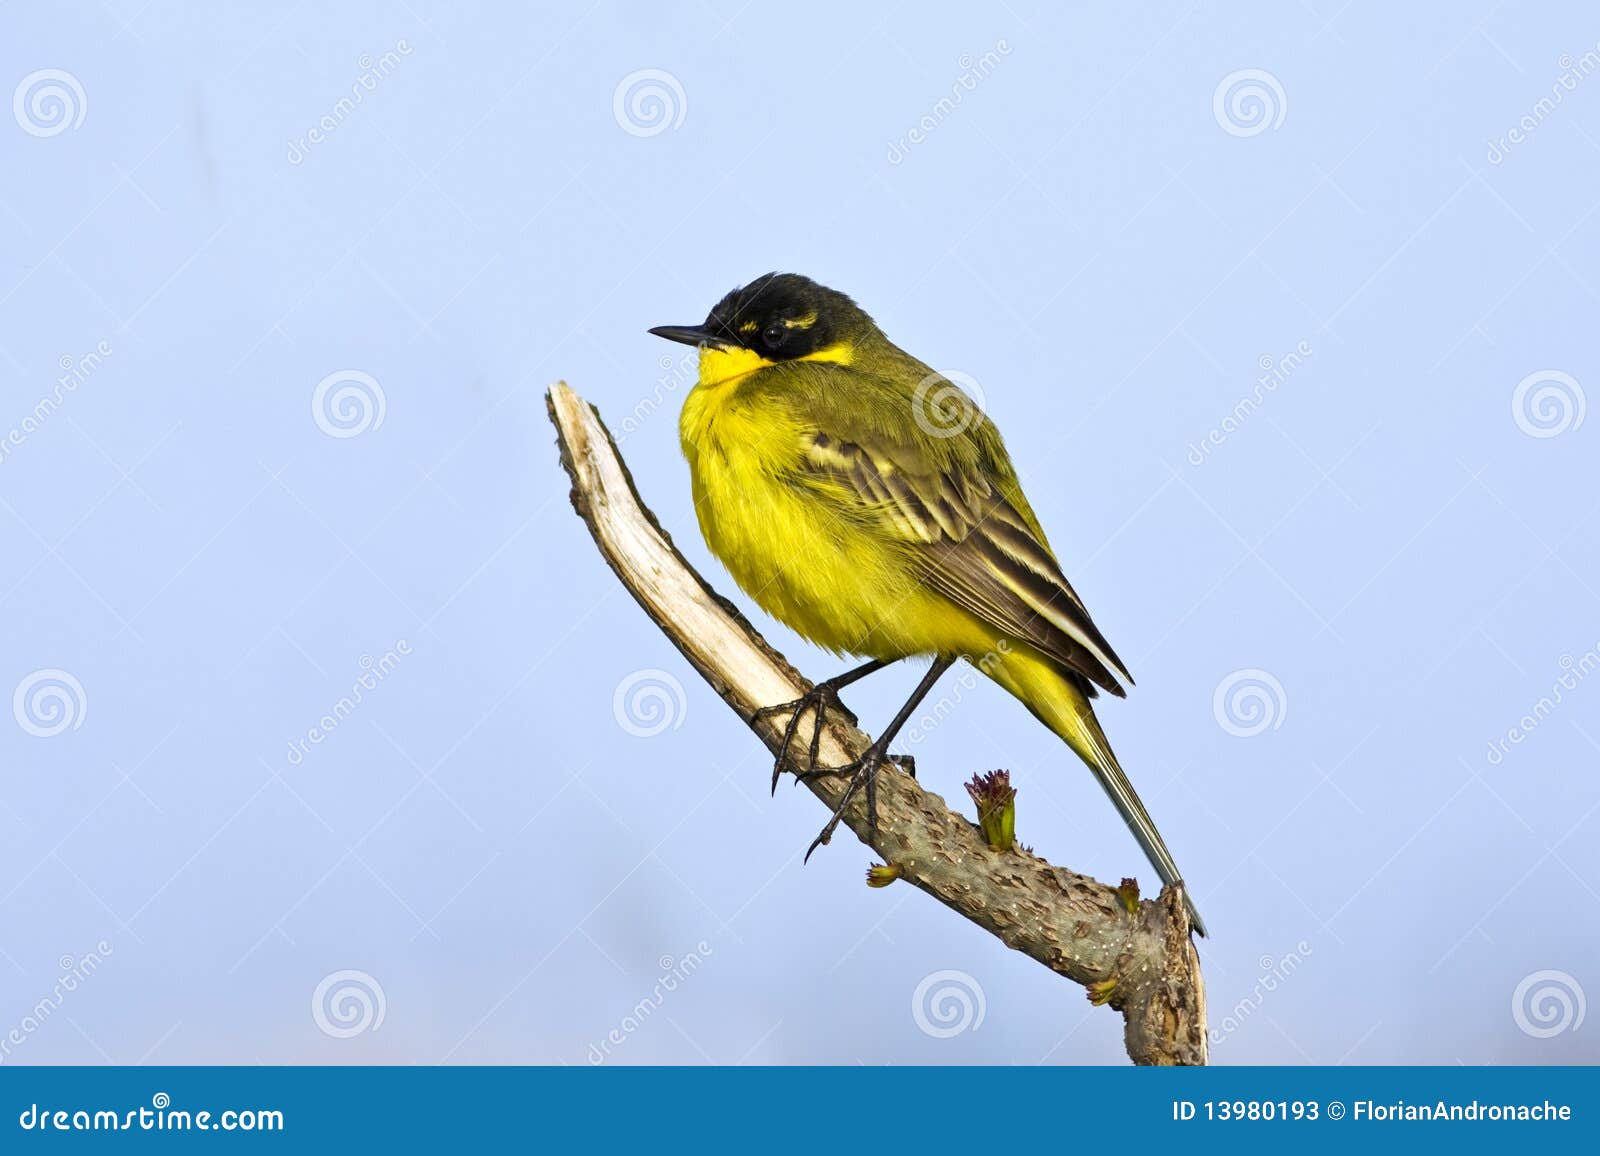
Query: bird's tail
1062, 706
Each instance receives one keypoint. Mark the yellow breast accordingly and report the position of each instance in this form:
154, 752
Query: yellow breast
799, 559
737, 451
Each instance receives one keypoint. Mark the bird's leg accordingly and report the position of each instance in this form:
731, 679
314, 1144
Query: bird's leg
819, 699
866, 767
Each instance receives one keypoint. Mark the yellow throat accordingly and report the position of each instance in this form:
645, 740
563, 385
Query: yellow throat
719, 365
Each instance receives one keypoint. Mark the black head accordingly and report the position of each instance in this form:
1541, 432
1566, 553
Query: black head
780, 317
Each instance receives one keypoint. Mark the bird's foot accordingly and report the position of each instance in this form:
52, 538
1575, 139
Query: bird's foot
906, 763
817, 702
863, 774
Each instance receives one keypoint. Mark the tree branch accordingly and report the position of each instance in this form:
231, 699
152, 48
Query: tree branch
1142, 963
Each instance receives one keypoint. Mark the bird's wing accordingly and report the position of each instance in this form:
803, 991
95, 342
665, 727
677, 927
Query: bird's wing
973, 544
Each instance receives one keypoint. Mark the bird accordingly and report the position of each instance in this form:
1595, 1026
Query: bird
867, 502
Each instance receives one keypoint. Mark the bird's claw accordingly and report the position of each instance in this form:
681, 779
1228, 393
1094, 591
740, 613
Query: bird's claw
863, 773
818, 701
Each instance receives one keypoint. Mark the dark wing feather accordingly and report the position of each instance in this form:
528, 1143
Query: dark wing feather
973, 546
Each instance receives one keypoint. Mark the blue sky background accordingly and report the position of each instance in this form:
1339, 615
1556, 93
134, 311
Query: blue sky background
1402, 545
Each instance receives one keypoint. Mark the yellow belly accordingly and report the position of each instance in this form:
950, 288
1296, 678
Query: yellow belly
803, 564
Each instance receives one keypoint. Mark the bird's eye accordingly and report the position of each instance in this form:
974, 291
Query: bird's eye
774, 334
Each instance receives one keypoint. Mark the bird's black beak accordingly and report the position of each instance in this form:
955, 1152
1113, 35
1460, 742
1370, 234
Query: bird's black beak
688, 334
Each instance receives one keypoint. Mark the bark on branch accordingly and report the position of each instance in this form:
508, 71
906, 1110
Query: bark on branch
1142, 962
